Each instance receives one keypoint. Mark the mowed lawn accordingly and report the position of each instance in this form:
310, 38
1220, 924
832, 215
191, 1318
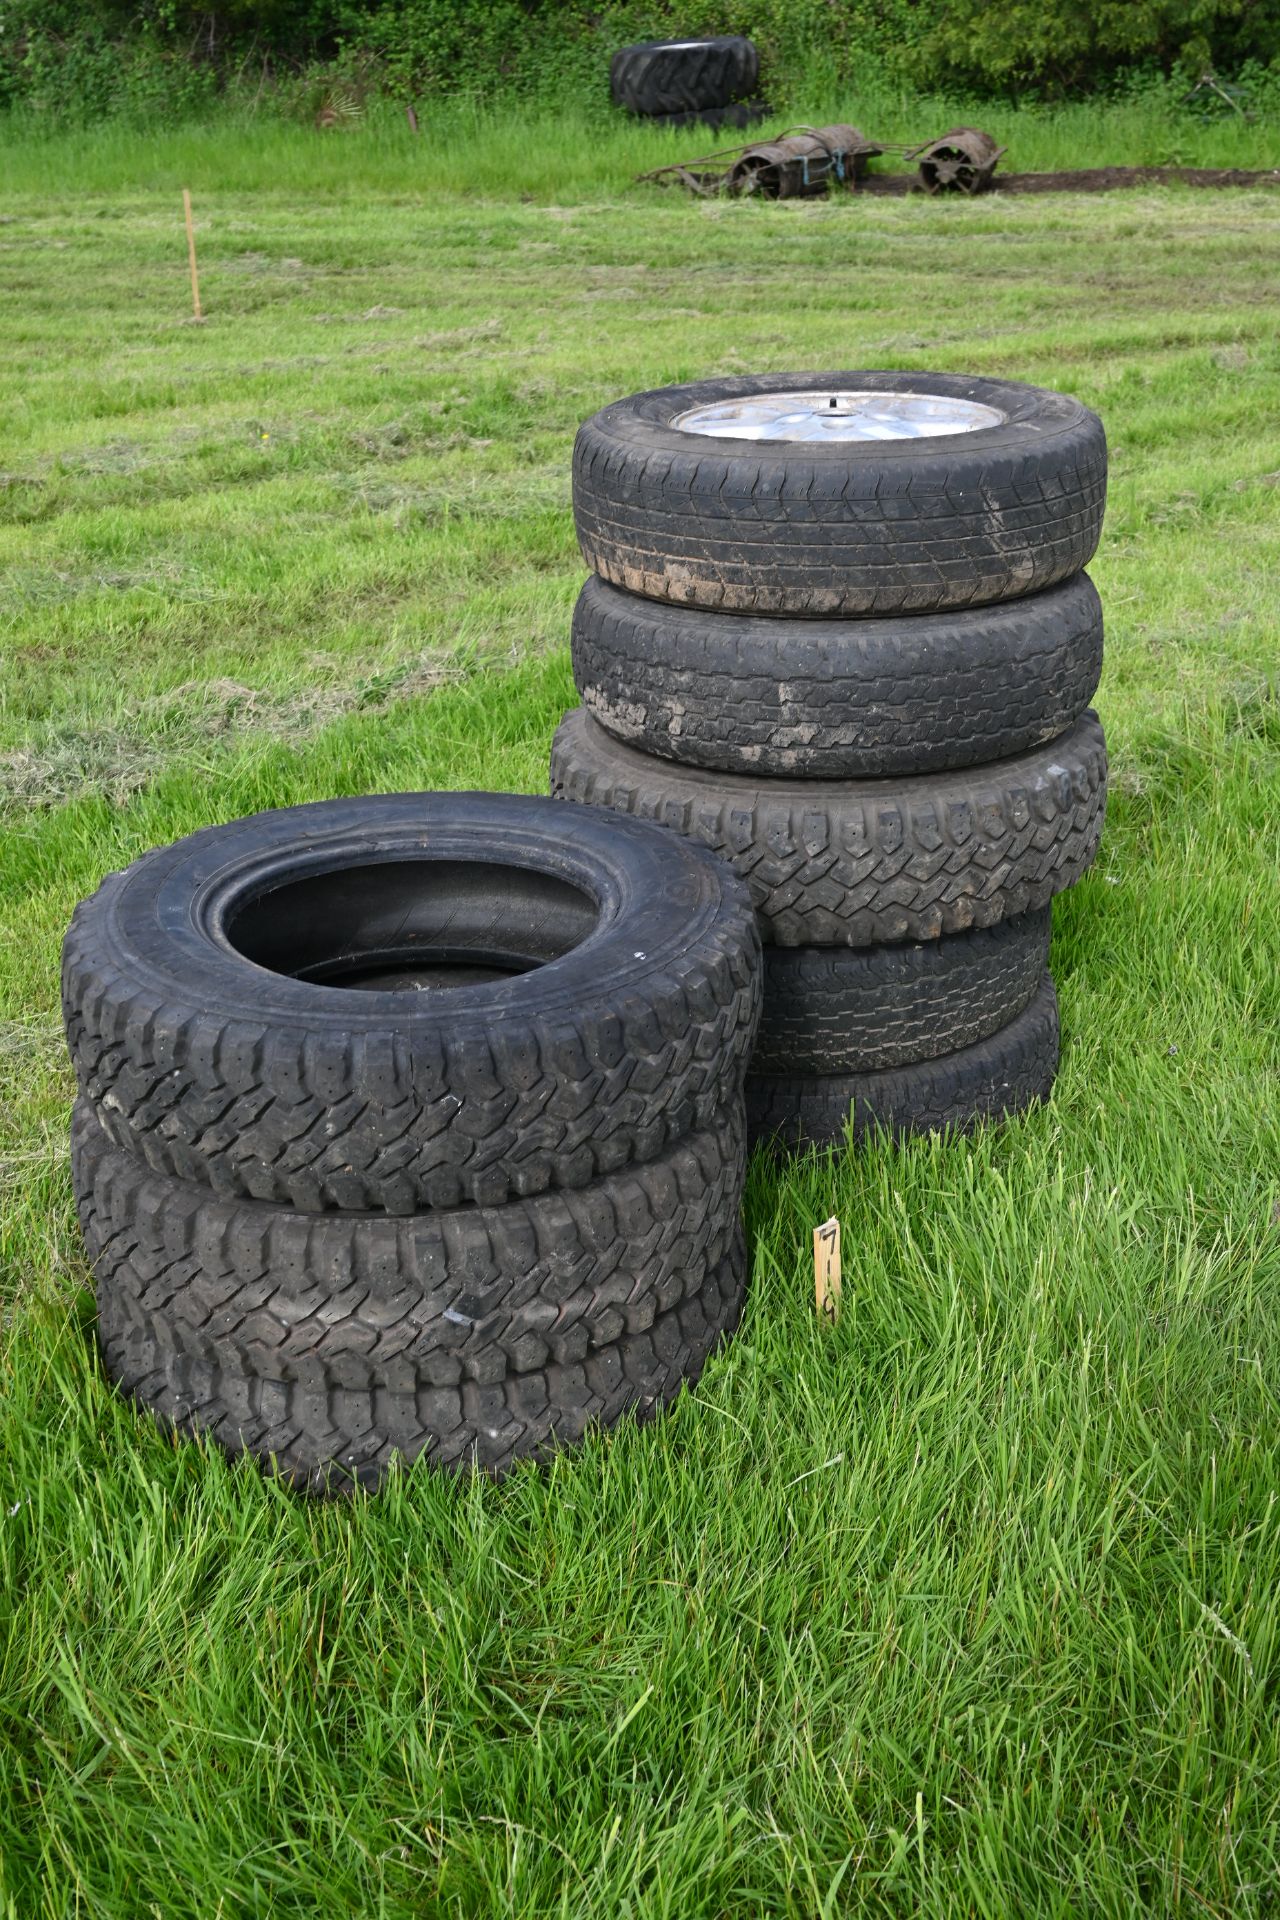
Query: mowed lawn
969, 1607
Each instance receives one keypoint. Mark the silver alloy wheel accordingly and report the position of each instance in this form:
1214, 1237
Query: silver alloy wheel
826, 416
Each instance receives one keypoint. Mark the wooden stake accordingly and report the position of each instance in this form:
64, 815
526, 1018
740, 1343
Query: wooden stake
191, 254
826, 1270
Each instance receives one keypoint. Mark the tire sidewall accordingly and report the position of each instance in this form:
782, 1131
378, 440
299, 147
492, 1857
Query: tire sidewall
164, 918
1033, 415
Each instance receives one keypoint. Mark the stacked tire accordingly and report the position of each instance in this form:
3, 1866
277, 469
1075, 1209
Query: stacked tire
682, 83
840, 632
412, 1125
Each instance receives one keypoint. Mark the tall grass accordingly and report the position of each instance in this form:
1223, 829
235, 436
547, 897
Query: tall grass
577, 152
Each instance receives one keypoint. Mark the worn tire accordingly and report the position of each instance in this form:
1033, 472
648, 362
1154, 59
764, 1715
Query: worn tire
840, 528
1003, 1074
475, 1337
827, 699
855, 863
683, 76
214, 1064
830, 1010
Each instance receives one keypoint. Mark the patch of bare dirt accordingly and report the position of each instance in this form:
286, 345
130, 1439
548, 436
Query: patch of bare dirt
1090, 180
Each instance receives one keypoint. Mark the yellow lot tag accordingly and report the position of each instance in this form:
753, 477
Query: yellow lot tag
826, 1270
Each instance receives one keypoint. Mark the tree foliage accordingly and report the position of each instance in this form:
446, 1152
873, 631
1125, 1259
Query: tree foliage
164, 57
1061, 46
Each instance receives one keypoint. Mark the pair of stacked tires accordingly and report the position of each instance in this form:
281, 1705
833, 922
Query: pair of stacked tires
840, 632
682, 83
412, 1125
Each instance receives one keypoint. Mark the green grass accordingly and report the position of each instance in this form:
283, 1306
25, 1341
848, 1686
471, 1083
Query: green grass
971, 1607
580, 149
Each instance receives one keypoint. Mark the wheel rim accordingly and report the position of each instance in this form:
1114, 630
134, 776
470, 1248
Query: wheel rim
832, 414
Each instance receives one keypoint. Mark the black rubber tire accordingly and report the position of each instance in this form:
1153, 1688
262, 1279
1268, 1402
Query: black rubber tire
834, 699
855, 863
220, 1068
831, 1010
683, 76
1003, 1074
840, 528
331, 1345
742, 113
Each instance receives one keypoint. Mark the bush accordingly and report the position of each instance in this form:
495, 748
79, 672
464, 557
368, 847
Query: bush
90, 75
165, 58
1059, 47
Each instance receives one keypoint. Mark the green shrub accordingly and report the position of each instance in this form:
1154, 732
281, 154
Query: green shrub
1059, 47
165, 58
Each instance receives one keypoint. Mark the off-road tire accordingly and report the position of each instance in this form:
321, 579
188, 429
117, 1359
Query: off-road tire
838, 528
476, 1336
1001, 1075
855, 863
230, 1071
830, 1010
832, 699
675, 77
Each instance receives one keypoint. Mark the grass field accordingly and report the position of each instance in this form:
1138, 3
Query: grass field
972, 1607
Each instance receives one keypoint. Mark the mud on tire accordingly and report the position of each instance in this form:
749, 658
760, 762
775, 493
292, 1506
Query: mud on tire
855, 863
832, 529
826, 699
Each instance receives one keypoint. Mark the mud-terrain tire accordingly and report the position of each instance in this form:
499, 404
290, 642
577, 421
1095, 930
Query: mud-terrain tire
837, 528
683, 76
853, 863
331, 1344
202, 1050
828, 699
831, 1010
1001, 1075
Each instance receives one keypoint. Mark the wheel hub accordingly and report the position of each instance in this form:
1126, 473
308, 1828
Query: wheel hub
826, 415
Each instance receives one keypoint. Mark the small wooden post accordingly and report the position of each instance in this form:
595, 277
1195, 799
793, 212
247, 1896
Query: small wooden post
191, 254
826, 1270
